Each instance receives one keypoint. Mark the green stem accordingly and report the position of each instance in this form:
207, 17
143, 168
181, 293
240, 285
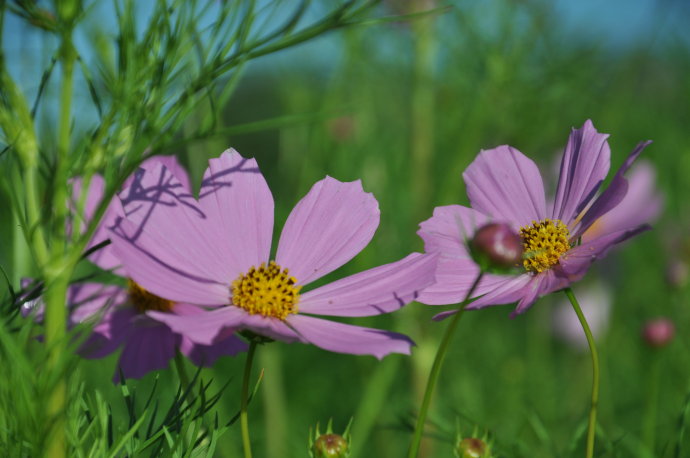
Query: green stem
181, 372
592, 425
649, 428
246, 443
436, 370
56, 317
59, 270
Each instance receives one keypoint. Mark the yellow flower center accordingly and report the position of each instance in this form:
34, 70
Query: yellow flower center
544, 242
143, 300
266, 290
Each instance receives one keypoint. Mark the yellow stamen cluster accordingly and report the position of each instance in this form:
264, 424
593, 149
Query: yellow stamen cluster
544, 242
143, 300
266, 290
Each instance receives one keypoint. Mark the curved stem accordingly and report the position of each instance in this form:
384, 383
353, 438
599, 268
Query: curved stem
436, 370
592, 426
246, 443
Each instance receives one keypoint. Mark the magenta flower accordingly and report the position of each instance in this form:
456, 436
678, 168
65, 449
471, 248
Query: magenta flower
122, 316
504, 185
215, 253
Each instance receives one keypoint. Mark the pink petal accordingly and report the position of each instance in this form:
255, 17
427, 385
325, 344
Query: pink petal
542, 284
201, 328
577, 261
374, 291
642, 204
327, 228
511, 289
344, 338
103, 257
206, 355
236, 196
454, 278
449, 230
206, 328
177, 264
171, 163
92, 300
612, 196
586, 161
505, 185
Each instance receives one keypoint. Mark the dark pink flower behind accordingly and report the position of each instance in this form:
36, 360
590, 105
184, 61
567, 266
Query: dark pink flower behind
216, 253
119, 314
505, 186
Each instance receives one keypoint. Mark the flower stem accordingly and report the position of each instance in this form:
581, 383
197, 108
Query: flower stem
181, 372
591, 427
246, 443
436, 369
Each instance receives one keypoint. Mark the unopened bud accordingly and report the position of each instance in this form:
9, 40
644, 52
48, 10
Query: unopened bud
471, 447
497, 245
658, 333
329, 444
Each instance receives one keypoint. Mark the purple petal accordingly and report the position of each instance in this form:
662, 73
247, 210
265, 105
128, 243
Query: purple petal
178, 263
511, 289
344, 338
327, 228
110, 333
504, 184
171, 163
586, 161
103, 257
89, 300
612, 196
201, 328
449, 230
149, 347
642, 204
541, 285
206, 355
576, 261
454, 278
236, 197
374, 291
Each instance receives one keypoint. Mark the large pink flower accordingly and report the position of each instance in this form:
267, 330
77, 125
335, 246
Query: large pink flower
215, 253
504, 185
120, 316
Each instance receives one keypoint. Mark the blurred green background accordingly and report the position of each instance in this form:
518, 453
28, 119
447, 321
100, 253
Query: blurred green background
405, 106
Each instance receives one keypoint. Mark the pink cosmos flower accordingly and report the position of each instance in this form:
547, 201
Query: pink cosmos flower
214, 254
504, 185
121, 316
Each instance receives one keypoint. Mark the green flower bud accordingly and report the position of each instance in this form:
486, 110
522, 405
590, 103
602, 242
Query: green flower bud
329, 445
471, 447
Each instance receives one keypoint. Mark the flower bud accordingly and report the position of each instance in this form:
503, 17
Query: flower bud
329, 444
496, 245
471, 447
658, 333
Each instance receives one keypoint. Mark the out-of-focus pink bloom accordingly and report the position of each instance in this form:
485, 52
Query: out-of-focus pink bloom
595, 302
659, 332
